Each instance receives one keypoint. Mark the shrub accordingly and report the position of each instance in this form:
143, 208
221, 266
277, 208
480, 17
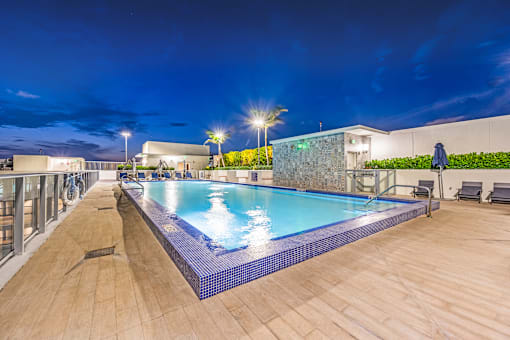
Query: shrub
247, 157
139, 167
262, 167
483, 160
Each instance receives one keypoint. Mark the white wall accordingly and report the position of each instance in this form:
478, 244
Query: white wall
164, 148
480, 135
107, 175
264, 177
30, 163
47, 163
195, 162
452, 179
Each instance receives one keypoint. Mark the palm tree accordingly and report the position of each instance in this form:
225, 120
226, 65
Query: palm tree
219, 138
272, 118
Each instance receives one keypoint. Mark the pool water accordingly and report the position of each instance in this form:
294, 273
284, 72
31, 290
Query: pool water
235, 216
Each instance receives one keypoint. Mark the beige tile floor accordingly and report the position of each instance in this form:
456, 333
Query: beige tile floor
445, 277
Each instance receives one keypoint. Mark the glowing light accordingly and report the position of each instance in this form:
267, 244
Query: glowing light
125, 134
219, 134
258, 122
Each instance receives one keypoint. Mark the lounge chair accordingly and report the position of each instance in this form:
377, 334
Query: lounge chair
188, 175
470, 191
423, 191
500, 193
154, 176
141, 175
178, 175
123, 175
167, 175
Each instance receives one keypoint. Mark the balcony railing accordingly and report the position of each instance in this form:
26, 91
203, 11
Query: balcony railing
102, 165
28, 202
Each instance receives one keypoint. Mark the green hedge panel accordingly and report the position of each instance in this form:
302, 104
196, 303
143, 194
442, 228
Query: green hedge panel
483, 160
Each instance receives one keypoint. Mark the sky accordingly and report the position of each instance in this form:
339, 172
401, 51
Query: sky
73, 75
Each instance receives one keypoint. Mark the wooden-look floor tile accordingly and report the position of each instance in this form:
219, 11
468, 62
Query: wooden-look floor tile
445, 277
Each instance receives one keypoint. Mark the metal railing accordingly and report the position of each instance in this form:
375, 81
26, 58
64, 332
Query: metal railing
132, 179
429, 207
28, 203
102, 165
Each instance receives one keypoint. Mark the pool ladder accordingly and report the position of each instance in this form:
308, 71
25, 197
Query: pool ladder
135, 180
429, 207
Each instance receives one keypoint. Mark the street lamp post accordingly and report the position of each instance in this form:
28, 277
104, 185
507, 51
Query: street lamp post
259, 123
258, 146
126, 135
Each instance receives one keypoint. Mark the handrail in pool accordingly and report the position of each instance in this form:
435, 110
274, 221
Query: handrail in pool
135, 180
429, 208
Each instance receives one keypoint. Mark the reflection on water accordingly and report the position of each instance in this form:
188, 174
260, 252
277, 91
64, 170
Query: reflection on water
235, 216
171, 197
218, 218
258, 230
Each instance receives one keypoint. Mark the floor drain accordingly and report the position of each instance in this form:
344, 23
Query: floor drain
105, 208
99, 252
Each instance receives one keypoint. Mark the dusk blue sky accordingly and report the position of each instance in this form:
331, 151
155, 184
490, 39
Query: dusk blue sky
74, 74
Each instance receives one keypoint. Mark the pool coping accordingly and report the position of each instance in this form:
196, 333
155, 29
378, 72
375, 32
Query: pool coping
209, 273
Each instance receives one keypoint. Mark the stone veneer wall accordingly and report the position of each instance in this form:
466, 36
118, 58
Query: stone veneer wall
312, 163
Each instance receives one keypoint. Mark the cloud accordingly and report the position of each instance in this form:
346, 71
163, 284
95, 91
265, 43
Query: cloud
419, 72
71, 147
447, 103
486, 43
420, 57
425, 49
93, 117
382, 53
376, 86
25, 94
445, 120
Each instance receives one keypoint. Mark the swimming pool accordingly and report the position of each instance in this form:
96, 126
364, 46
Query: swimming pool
223, 235
235, 216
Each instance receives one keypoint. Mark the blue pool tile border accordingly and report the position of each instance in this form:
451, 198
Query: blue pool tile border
210, 272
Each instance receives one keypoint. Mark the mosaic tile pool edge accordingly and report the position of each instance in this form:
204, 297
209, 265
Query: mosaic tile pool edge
209, 274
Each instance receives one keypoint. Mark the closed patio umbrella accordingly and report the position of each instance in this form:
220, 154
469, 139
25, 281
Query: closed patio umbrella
440, 160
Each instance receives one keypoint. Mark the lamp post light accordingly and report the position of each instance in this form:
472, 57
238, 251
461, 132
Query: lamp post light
259, 123
126, 135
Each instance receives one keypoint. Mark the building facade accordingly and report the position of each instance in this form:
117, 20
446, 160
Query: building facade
47, 163
179, 156
318, 160
477, 135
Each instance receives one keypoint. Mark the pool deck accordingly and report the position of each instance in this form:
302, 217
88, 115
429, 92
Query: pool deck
445, 277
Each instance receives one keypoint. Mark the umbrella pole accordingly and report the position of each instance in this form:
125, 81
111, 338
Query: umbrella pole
441, 188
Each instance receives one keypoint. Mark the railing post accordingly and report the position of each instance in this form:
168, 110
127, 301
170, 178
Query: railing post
55, 198
19, 215
354, 187
377, 182
43, 199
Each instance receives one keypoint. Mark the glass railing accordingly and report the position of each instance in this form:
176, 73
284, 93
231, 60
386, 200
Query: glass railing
28, 202
102, 165
6, 216
369, 180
